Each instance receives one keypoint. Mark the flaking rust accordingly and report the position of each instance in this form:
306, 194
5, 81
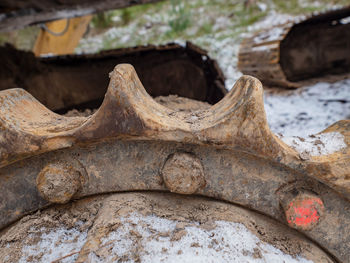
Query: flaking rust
133, 143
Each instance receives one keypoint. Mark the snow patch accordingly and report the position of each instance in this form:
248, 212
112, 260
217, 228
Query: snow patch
345, 20
308, 110
262, 6
271, 20
55, 244
317, 145
227, 242
271, 35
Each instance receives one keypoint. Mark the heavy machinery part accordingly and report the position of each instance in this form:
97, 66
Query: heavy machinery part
18, 14
299, 50
151, 227
133, 143
62, 36
80, 81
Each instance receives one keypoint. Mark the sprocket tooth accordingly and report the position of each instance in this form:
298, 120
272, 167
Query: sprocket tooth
334, 169
127, 110
237, 121
29, 128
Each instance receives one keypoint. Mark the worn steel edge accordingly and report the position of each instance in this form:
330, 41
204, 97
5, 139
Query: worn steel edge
133, 143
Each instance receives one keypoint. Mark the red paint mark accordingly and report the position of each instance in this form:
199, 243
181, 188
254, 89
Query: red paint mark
304, 213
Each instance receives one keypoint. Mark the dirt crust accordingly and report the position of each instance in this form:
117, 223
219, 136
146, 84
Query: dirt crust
182, 104
97, 218
173, 102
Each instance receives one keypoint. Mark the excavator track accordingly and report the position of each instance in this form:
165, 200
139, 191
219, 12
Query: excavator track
132, 143
80, 81
307, 48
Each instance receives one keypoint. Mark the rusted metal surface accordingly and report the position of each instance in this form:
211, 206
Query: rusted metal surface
133, 143
183, 174
301, 49
77, 81
18, 14
58, 182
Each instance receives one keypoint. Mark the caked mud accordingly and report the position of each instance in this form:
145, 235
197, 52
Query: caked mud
120, 227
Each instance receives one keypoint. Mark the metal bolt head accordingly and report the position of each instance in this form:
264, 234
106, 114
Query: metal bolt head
304, 211
183, 173
58, 182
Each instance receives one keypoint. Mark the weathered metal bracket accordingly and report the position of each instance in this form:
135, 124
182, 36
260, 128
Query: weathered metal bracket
133, 143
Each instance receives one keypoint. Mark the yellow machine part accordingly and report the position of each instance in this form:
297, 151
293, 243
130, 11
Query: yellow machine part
61, 36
